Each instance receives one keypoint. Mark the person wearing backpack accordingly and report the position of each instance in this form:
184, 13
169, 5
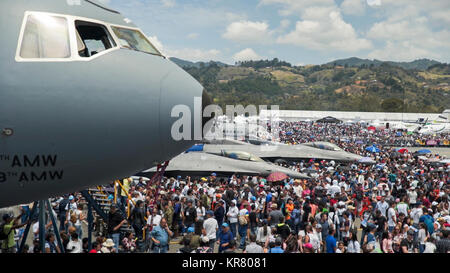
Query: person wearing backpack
7, 231
243, 226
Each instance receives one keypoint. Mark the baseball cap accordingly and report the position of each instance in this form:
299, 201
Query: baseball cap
71, 197
225, 225
210, 212
318, 226
6, 216
190, 230
411, 232
213, 174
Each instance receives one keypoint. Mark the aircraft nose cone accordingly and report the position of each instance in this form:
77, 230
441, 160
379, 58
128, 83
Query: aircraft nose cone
181, 104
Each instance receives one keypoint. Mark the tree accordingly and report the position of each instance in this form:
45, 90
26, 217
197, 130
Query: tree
392, 105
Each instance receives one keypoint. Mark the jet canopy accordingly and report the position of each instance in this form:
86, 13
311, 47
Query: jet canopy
241, 156
324, 146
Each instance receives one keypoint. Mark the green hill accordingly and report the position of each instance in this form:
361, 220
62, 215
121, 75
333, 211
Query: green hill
421, 64
357, 86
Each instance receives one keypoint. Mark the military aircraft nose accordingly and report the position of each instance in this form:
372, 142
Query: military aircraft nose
181, 106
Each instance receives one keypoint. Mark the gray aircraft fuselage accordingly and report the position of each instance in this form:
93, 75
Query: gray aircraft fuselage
275, 151
66, 125
203, 164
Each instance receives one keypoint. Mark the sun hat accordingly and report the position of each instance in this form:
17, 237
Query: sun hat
108, 243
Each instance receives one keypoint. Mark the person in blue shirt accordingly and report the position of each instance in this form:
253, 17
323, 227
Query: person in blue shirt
160, 237
225, 237
277, 248
428, 220
331, 242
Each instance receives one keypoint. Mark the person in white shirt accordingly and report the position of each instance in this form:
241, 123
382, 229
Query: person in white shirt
392, 217
210, 228
383, 206
154, 219
402, 207
412, 194
263, 233
353, 244
201, 211
74, 245
232, 216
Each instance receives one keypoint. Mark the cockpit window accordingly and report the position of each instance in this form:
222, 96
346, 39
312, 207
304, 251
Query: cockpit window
92, 38
45, 36
241, 156
134, 40
325, 146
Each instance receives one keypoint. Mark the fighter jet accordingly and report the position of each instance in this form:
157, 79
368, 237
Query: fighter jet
227, 163
85, 98
282, 153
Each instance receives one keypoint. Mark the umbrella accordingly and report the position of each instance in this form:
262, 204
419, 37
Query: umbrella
275, 177
431, 142
424, 151
366, 160
359, 142
371, 128
422, 157
373, 149
402, 150
289, 133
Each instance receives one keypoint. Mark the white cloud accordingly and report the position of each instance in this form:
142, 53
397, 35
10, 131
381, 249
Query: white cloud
401, 51
284, 23
290, 7
323, 28
157, 43
374, 2
411, 30
353, 7
248, 32
168, 3
195, 55
193, 35
246, 55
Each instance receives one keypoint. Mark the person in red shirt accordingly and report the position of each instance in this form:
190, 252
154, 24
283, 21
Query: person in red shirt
95, 248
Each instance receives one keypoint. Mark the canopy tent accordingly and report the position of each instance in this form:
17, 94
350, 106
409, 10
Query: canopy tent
373, 149
329, 119
423, 151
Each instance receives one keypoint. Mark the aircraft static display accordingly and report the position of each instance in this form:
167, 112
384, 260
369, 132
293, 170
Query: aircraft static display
278, 152
226, 164
85, 98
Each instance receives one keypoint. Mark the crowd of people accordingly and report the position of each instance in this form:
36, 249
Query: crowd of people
398, 205
302, 131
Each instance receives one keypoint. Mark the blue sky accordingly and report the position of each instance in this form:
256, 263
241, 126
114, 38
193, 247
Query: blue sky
298, 31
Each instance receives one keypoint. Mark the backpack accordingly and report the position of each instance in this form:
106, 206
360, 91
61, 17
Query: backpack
3, 235
62, 206
242, 220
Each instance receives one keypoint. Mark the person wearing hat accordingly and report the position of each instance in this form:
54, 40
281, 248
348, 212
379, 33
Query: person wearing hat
115, 222
9, 226
108, 247
225, 237
232, 216
210, 228
275, 215
189, 215
205, 245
